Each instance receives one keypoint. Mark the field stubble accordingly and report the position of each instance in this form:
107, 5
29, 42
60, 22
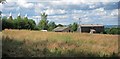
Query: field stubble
41, 44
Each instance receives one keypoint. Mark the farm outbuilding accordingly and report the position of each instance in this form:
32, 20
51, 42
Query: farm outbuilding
61, 29
91, 28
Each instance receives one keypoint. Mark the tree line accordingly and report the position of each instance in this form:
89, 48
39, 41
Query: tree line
25, 23
112, 30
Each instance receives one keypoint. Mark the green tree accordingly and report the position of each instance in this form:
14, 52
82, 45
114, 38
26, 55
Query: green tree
70, 26
7, 23
18, 21
51, 26
112, 30
0, 13
31, 24
4, 22
26, 23
10, 23
74, 27
43, 24
59, 25
0, 21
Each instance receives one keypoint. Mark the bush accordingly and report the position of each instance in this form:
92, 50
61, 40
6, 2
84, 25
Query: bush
112, 31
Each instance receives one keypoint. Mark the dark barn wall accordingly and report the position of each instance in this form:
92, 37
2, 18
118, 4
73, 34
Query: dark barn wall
85, 29
98, 29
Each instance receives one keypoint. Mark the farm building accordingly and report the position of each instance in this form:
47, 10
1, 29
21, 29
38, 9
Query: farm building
91, 28
62, 29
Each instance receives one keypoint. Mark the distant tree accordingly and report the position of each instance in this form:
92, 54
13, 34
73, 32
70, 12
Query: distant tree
26, 23
19, 18
74, 27
0, 13
7, 23
70, 26
51, 26
112, 30
10, 23
0, 24
32, 24
43, 16
43, 24
1, 1
18, 22
0, 21
59, 25
4, 22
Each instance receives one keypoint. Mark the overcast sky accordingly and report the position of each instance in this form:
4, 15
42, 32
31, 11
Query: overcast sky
65, 11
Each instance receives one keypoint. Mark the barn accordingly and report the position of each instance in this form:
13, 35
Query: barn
61, 29
88, 28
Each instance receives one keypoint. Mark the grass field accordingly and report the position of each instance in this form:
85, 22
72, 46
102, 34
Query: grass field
26, 43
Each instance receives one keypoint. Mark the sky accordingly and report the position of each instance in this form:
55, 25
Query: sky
65, 11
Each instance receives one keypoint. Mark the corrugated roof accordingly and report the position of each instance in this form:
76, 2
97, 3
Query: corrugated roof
90, 25
59, 28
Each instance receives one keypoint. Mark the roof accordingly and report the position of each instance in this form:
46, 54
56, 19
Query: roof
60, 28
91, 25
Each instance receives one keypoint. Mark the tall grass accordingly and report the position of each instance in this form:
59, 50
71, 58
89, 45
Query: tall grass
40, 44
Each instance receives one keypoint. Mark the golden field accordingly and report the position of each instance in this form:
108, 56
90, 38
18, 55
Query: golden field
17, 43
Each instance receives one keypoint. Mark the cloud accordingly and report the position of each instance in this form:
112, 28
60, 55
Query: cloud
25, 4
114, 12
60, 17
39, 8
11, 1
55, 11
62, 11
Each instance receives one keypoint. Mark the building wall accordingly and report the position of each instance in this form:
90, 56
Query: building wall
97, 29
66, 30
85, 29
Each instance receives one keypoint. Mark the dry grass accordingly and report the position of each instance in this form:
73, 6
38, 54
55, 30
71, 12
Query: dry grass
37, 43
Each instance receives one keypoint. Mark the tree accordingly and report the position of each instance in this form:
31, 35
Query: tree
112, 30
31, 24
0, 13
10, 23
74, 26
1, 1
4, 22
7, 23
70, 26
59, 25
0, 21
18, 22
51, 26
43, 24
